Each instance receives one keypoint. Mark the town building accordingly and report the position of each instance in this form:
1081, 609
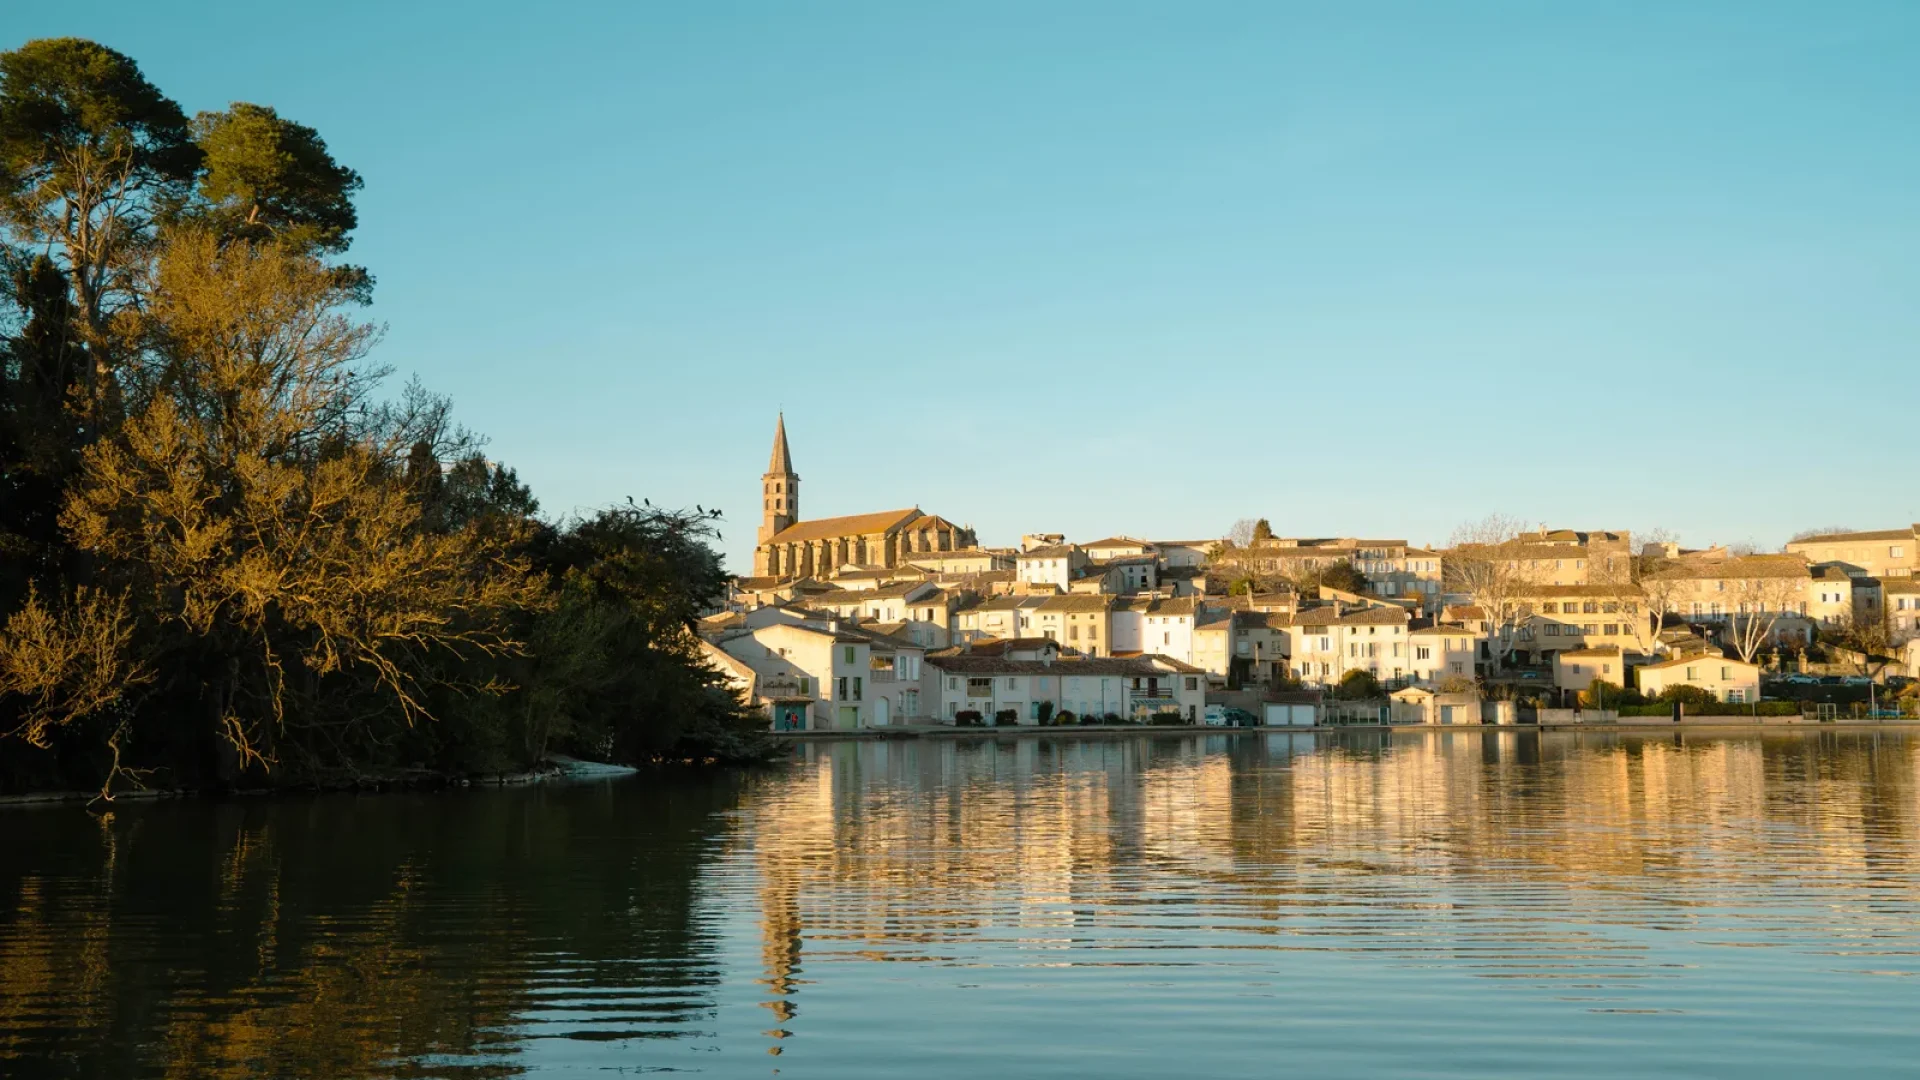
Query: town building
1885, 553
1030, 683
1575, 669
790, 546
1325, 643
1725, 678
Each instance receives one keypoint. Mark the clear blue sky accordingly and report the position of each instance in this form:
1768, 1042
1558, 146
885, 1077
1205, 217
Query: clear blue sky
1366, 268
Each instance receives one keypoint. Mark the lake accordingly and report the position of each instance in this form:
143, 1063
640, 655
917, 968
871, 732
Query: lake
1438, 904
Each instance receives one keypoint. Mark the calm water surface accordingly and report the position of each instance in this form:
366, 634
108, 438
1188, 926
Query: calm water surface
1430, 904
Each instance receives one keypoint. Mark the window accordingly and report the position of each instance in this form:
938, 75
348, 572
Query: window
849, 654
1421, 652
1193, 682
1736, 696
1726, 674
1612, 629
953, 682
806, 687
1012, 682
979, 687
856, 688
840, 688
1166, 637
1576, 669
1690, 675
1455, 666
1590, 628
1550, 608
1553, 629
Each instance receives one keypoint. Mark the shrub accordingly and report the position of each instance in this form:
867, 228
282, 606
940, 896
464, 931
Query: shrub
1167, 717
1603, 694
1692, 697
1357, 685
1046, 712
1113, 718
1006, 718
1063, 717
967, 718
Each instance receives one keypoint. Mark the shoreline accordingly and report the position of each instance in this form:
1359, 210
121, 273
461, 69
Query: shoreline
1034, 731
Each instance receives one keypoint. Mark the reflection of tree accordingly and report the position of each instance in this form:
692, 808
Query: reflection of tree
353, 937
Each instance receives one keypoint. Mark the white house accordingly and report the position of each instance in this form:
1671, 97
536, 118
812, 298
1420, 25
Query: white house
1727, 679
1575, 669
1327, 642
1053, 564
1441, 652
1133, 687
1156, 625
854, 678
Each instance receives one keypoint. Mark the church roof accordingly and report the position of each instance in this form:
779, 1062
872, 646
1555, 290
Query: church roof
782, 461
854, 525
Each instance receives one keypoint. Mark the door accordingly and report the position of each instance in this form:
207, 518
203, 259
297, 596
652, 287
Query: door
881, 710
1446, 713
848, 719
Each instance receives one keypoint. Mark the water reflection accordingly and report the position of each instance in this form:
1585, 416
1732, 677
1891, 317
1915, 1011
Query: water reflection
1514, 902
346, 937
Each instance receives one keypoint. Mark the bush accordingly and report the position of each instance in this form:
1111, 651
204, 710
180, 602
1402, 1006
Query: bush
1603, 694
1006, 718
1064, 717
1046, 712
967, 718
1357, 685
1693, 697
1167, 718
1716, 708
1112, 718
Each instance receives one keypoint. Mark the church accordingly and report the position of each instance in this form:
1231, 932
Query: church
790, 548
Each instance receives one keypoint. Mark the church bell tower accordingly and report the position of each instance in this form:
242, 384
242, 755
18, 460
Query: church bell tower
779, 488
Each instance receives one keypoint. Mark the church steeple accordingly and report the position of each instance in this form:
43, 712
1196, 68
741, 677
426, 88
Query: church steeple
780, 487
782, 463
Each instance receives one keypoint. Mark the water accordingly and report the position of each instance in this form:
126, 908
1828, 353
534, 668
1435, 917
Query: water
1462, 904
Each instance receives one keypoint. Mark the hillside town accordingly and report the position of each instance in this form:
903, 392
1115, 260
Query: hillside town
903, 618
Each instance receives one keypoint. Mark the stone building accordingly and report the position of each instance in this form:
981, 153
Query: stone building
790, 547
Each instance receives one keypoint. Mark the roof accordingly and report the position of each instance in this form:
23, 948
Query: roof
956, 553
1369, 616
1624, 588
1694, 658
1158, 605
1146, 664
1076, 602
1051, 551
1904, 586
1463, 611
1854, 537
1597, 650
1744, 567
1119, 541
853, 525
1447, 629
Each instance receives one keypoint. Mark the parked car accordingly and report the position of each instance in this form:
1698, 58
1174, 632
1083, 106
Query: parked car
1831, 680
1856, 680
1799, 678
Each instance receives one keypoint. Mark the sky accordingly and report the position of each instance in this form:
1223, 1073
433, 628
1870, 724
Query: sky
1369, 269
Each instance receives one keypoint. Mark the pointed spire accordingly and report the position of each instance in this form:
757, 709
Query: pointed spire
782, 463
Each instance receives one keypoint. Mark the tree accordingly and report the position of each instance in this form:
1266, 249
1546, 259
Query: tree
1262, 531
1480, 564
1763, 599
90, 154
1358, 684
272, 557
269, 178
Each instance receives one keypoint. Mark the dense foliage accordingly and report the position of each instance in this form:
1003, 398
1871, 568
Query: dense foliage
224, 559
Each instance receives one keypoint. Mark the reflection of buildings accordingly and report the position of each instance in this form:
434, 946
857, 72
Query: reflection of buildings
1436, 842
